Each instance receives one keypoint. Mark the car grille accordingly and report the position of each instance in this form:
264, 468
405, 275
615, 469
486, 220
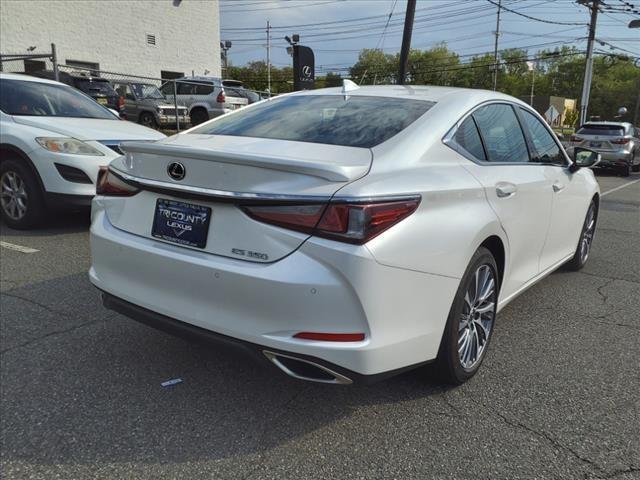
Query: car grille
172, 111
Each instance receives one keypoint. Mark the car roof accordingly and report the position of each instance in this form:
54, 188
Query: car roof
29, 78
429, 93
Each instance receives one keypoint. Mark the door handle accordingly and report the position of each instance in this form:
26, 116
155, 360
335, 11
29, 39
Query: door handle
557, 187
505, 189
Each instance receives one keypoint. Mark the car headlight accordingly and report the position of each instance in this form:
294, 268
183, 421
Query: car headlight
68, 145
160, 111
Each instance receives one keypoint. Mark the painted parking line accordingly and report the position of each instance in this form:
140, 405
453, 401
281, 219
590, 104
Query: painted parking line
620, 187
18, 248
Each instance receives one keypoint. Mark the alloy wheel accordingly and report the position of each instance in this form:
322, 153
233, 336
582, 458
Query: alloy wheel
587, 236
478, 314
13, 195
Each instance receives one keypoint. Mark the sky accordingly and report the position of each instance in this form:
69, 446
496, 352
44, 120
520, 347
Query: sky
338, 29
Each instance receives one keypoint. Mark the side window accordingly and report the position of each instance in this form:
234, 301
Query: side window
185, 89
547, 150
128, 93
167, 88
468, 138
203, 89
502, 135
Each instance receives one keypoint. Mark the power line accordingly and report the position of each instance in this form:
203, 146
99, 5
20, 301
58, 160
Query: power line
384, 30
534, 18
282, 6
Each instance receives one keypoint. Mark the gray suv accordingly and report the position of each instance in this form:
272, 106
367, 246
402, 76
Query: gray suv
145, 104
617, 142
206, 97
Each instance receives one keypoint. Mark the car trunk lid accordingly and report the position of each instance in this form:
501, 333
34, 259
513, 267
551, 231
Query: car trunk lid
222, 172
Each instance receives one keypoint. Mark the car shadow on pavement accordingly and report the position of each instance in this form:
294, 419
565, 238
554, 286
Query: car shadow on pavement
56, 223
81, 386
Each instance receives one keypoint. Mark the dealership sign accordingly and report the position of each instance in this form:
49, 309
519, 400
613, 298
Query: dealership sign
303, 68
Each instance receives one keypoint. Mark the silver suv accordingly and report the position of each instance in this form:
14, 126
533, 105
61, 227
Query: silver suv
205, 97
143, 103
617, 142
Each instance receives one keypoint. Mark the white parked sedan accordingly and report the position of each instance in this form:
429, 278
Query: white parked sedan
344, 234
53, 139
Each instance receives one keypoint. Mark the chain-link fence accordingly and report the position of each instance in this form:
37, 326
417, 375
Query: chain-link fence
164, 104
29, 61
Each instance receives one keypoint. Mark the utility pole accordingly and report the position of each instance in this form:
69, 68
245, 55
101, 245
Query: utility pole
588, 69
533, 83
269, 58
406, 40
495, 49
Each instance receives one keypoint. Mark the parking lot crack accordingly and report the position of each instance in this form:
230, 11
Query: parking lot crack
607, 277
34, 302
540, 434
50, 334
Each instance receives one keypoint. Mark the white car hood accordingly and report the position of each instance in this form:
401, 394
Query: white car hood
91, 128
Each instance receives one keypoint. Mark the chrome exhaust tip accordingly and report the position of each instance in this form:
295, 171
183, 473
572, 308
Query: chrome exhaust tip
305, 369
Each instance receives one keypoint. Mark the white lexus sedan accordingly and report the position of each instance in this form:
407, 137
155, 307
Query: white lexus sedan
344, 234
53, 139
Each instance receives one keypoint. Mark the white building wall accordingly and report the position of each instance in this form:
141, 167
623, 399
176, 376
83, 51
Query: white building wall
113, 33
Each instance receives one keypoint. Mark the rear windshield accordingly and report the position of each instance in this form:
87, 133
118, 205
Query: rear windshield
94, 86
356, 121
613, 130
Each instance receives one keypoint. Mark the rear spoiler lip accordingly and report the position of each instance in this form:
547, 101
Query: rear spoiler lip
332, 173
223, 196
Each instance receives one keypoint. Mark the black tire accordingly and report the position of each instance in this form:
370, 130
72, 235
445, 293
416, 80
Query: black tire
625, 171
148, 120
449, 366
579, 259
635, 167
33, 200
198, 116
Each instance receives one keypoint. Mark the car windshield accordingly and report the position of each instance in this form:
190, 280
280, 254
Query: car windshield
144, 90
93, 86
613, 130
356, 121
18, 97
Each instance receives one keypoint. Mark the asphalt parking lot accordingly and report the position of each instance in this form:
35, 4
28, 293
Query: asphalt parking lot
557, 397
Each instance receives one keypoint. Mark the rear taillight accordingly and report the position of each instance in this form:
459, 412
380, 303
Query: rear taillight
621, 141
110, 185
575, 138
221, 98
345, 222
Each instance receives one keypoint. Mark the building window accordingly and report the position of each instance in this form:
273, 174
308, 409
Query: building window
92, 67
31, 66
151, 39
169, 75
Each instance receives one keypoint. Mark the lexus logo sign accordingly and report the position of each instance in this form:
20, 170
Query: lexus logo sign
176, 170
307, 71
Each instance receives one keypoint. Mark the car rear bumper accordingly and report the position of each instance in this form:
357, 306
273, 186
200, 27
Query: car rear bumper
261, 354
321, 287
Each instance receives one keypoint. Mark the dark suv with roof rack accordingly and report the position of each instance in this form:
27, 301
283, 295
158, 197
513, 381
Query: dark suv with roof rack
100, 89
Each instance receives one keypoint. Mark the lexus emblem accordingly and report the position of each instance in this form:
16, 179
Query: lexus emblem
306, 71
176, 170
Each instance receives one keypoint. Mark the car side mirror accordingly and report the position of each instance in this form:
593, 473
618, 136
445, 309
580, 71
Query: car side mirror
584, 158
